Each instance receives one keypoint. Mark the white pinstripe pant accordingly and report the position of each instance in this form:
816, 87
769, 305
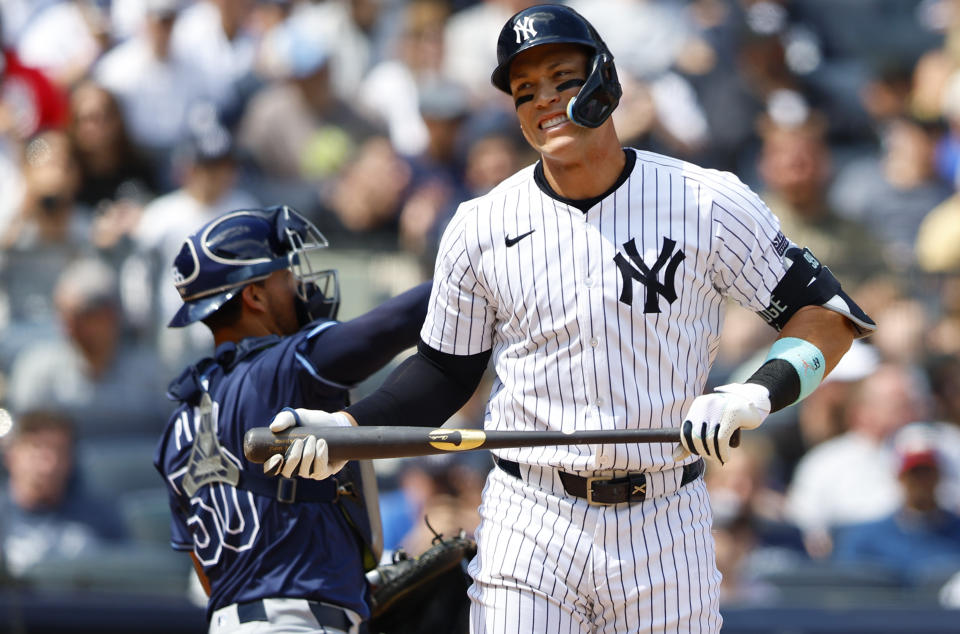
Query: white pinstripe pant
549, 562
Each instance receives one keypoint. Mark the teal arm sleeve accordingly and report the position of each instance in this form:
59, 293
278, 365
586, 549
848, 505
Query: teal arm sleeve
805, 358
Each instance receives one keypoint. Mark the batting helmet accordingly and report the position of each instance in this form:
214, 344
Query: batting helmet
244, 246
557, 24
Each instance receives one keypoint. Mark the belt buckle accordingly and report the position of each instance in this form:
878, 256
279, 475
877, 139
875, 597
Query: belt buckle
287, 490
590, 481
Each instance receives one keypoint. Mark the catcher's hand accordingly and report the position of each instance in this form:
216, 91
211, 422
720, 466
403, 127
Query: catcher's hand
310, 455
423, 594
713, 419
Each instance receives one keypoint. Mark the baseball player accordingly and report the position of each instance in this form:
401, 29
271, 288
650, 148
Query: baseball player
274, 555
596, 280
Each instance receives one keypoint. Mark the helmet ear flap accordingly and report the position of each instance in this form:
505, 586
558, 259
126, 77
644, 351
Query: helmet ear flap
599, 95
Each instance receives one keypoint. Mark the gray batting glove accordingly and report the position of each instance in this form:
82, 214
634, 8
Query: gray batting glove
712, 420
308, 458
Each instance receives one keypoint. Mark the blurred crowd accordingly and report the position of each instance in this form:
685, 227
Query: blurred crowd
126, 125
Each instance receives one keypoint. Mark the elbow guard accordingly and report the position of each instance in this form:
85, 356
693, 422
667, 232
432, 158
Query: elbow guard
809, 283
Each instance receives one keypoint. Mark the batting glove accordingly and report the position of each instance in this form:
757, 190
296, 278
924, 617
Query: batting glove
309, 457
710, 424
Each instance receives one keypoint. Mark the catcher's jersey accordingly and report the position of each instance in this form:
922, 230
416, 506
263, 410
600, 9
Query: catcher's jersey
251, 545
604, 319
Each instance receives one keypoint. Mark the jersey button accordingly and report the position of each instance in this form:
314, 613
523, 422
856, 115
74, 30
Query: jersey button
588, 282
600, 402
603, 461
594, 342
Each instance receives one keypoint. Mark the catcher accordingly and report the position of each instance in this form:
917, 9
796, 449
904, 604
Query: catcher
274, 554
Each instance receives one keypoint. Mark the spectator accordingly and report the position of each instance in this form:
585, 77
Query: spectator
893, 193
850, 478
654, 43
943, 372
920, 541
48, 230
155, 89
65, 39
938, 238
297, 129
390, 92
355, 33
212, 37
45, 514
110, 167
743, 489
906, 328
114, 180
491, 149
366, 199
795, 167
29, 103
437, 184
751, 41
109, 386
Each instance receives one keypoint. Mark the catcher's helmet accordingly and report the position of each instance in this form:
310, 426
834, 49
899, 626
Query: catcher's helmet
557, 24
240, 247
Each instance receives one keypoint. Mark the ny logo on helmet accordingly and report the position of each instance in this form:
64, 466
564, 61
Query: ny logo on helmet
524, 29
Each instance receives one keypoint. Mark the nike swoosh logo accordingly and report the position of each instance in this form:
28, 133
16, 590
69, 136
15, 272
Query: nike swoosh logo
507, 240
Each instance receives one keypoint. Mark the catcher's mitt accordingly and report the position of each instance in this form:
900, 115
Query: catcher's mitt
426, 594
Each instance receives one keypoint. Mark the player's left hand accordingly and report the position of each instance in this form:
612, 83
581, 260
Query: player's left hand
307, 458
712, 420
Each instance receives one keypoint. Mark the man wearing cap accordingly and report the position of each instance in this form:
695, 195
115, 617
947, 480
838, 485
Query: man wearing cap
109, 385
274, 554
920, 541
46, 515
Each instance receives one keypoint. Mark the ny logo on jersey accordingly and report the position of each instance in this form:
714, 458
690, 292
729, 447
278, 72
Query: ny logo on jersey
649, 277
524, 29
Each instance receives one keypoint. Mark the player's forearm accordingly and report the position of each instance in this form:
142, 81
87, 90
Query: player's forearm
829, 331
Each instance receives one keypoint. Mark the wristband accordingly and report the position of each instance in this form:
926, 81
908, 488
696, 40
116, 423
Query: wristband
793, 369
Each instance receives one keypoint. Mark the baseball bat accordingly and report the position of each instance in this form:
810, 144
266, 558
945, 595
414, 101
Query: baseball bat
364, 443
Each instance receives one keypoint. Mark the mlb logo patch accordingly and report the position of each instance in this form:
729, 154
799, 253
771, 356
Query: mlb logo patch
780, 244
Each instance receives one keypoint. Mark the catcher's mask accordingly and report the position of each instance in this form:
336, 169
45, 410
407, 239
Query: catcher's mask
244, 246
556, 24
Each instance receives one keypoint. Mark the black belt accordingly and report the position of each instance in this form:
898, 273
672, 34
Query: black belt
326, 615
605, 489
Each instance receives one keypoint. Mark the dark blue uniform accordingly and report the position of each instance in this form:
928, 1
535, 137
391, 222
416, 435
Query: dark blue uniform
251, 542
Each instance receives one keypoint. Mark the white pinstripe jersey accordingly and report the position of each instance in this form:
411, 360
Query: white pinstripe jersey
576, 340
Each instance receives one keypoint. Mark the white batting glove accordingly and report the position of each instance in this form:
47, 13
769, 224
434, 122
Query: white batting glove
309, 457
712, 420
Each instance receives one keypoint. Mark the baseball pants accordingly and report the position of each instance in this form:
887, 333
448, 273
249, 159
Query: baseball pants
268, 616
550, 562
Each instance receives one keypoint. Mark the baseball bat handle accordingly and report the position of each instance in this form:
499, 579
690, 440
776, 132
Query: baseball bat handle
364, 443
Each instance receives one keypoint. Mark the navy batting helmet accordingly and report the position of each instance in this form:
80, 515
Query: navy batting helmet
557, 24
244, 246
